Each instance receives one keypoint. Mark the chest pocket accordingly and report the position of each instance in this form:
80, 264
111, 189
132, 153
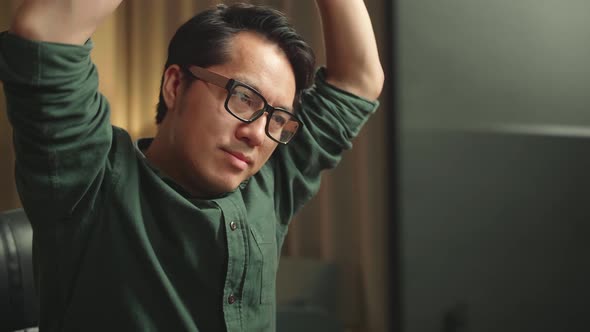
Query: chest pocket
267, 249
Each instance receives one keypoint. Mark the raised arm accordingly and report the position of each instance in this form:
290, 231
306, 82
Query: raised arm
61, 128
61, 21
351, 49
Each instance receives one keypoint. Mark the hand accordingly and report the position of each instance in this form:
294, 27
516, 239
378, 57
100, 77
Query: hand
62, 21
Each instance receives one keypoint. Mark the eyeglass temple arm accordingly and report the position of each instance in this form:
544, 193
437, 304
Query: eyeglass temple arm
209, 76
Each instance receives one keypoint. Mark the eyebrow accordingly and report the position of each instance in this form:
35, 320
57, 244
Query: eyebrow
251, 84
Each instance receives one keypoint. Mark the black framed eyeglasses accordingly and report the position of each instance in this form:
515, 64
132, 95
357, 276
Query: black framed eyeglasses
247, 105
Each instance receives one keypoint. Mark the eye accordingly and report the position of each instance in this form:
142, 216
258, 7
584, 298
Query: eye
243, 97
279, 119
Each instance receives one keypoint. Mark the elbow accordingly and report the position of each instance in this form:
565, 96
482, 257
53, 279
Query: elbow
370, 85
46, 22
366, 82
375, 83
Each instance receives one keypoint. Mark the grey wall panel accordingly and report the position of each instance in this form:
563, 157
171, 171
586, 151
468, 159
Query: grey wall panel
495, 231
464, 62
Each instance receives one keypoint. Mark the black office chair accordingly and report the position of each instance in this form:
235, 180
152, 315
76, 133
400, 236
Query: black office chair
19, 305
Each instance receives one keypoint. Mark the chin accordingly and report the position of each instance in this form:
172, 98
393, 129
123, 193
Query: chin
226, 185
215, 181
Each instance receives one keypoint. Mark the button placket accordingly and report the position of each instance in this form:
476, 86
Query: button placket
231, 299
236, 263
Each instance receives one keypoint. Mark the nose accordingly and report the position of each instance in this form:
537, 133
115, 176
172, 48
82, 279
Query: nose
253, 133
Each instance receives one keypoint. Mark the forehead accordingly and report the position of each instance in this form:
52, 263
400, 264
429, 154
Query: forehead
262, 64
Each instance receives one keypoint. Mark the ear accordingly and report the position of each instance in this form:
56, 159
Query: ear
171, 86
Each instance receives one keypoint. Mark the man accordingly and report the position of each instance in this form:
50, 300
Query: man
181, 232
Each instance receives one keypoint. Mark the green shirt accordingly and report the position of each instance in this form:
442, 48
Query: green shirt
117, 246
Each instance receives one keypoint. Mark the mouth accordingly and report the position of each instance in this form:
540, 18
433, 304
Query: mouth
238, 159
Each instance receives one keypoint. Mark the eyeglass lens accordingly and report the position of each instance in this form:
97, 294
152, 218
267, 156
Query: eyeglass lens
247, 104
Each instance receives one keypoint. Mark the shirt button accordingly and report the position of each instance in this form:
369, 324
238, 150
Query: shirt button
231, 299
233, 225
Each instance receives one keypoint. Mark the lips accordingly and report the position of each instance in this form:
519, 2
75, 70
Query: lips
240, 156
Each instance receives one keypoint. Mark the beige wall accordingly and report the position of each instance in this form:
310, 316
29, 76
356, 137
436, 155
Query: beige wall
8, 195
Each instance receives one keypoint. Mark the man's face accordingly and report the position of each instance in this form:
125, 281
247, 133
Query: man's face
216, 151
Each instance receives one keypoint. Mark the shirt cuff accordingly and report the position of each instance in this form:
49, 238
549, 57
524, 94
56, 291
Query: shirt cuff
26, 61
320, 78
352, 110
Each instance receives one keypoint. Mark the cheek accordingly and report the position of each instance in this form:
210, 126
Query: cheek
267, 151
205, 120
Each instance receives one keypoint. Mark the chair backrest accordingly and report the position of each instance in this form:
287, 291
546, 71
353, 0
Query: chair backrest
19, 305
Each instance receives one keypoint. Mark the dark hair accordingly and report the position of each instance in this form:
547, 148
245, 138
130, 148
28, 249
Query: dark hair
204, 39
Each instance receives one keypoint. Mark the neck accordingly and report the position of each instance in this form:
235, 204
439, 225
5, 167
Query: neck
161, 156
